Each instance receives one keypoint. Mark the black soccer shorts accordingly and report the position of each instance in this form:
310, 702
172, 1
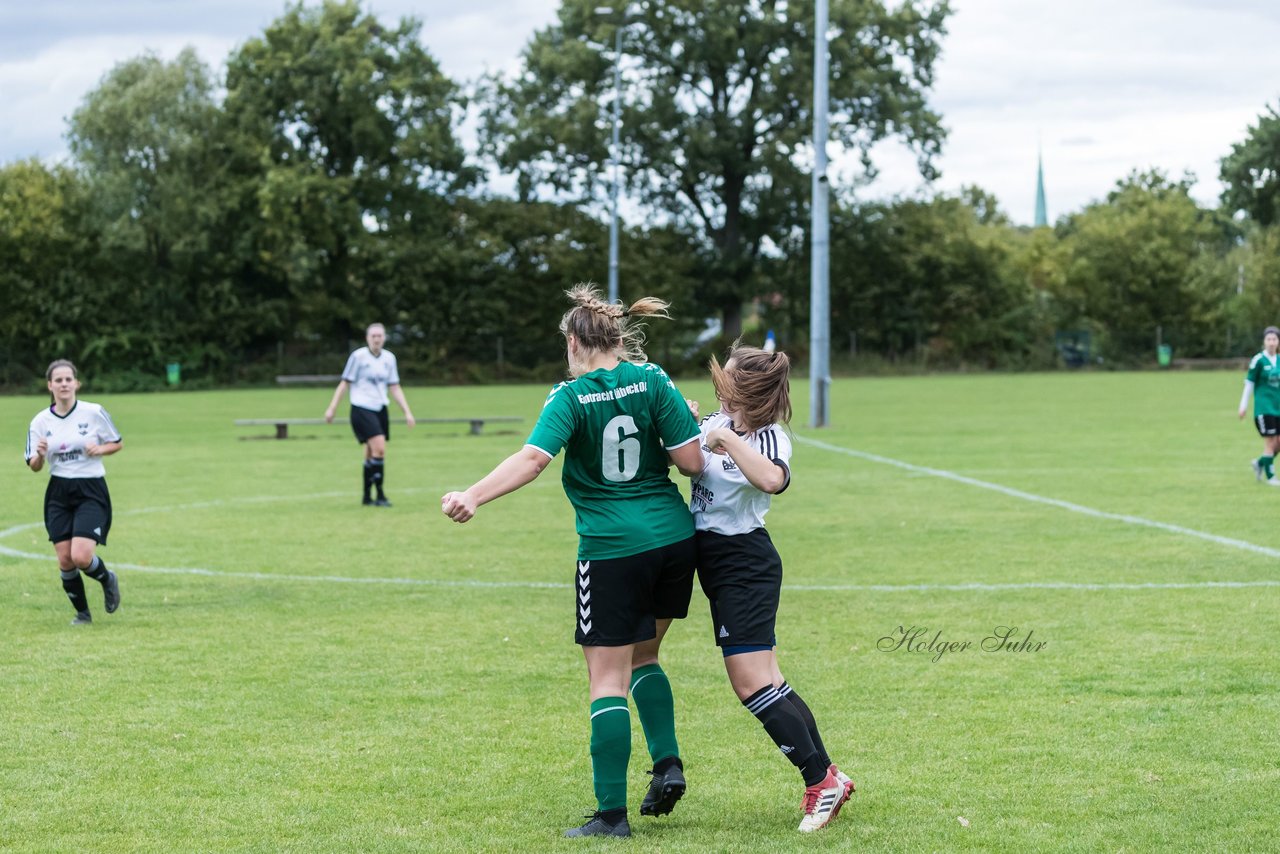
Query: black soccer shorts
1268, 425
366, 423
741, 576
617, 601
77, 507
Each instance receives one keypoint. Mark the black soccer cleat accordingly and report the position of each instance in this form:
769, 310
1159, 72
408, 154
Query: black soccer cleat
597, 826
83, 618
111, 592
382, 502
665, 789
367, 502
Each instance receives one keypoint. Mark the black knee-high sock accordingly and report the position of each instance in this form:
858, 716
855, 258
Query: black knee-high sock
74, 585
788, 731
803, 708
97, 571
368, 479
378, 475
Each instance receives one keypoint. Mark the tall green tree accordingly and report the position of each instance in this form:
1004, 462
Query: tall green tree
931, 278
352, 122
1251, 172
144, 137
716, 113
1141, 263
48, 249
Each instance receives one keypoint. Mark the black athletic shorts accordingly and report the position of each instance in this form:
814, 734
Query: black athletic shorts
742, 577
1268, 425
366, 423
77, 507
618, 600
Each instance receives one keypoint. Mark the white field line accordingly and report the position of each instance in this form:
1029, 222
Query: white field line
1242, 545
551, 585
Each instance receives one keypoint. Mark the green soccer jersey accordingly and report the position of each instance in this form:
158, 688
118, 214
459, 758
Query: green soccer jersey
616, 427
1264, 373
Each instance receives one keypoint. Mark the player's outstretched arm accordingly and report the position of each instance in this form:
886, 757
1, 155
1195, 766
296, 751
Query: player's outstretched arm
512, 473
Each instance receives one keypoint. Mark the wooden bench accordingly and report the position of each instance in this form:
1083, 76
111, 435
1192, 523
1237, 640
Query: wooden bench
308, 379
1210, 364
282, 424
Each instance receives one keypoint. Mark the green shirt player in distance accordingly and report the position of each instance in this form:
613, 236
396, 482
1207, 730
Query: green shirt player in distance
1263, 382
621, 422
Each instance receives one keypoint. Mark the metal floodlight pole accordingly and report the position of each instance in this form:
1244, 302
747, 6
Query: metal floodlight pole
613, 191
615, 183
820, 236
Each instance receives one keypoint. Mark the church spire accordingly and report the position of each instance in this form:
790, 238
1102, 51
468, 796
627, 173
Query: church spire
1042, 216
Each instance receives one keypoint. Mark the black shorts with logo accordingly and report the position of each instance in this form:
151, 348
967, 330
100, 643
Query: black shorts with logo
618, 600
742, 578
1268, 425
366, 423
77, 507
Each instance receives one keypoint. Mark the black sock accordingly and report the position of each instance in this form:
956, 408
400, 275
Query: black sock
788, 731
74, 585
368, 478
612, 817
376, 475
801, 707
97, 571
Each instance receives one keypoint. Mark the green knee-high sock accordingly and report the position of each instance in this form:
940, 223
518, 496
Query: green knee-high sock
1267, 464
652, 692
610, 751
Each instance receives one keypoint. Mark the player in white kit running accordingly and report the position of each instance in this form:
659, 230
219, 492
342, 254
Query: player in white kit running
73, 436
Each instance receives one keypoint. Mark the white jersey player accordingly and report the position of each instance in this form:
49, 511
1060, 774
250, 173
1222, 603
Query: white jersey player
73, 436
746, 461
372, 374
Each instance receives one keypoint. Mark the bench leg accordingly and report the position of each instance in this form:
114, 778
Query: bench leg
282, 431
476, 427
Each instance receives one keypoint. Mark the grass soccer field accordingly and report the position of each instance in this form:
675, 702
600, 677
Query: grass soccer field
291, 671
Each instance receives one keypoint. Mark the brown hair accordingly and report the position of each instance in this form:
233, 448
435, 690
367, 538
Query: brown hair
756, 384
606, 327
53, 366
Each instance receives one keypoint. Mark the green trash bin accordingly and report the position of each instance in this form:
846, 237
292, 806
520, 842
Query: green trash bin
173, 371
1164, 355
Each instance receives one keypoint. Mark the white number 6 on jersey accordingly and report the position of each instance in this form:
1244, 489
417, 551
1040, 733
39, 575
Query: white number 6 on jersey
621, 455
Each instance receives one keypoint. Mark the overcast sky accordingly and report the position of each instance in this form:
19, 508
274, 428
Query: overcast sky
1104, 86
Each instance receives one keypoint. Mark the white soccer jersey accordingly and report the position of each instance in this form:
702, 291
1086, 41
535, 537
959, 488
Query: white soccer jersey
86, 424
723, 500
369, 376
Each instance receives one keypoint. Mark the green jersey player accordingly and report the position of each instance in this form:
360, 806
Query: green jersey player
620, 422
1263, 382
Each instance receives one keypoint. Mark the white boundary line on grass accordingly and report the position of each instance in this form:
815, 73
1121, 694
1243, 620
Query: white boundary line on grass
1230, 542
552, 585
